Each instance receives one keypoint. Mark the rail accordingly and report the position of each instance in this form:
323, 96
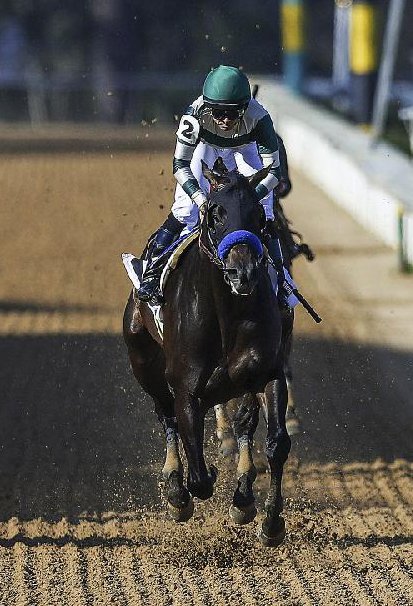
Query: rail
374, 183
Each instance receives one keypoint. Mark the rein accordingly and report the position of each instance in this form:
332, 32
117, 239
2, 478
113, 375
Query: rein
211, 252
209, 249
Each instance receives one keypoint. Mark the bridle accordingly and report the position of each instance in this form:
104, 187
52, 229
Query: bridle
208, 247
206, 244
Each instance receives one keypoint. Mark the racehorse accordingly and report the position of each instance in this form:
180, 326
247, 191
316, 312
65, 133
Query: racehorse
292, 246
223, 338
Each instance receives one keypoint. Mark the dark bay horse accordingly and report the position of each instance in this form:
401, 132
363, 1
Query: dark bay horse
223, 338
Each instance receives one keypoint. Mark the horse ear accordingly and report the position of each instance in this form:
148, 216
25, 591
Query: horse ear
259, 176
208, 174
215, 178
219, 167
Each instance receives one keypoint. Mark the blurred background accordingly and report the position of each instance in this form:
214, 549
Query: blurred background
124, 61
90, 91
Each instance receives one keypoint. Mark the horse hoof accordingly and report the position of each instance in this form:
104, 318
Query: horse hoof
204, 489
243, 515
182, 514
292, 423
277, 539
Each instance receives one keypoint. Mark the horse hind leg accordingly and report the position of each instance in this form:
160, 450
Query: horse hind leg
243, 509
292, 419
278, 446
225, 433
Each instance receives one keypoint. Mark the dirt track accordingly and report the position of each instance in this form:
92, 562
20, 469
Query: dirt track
81, 521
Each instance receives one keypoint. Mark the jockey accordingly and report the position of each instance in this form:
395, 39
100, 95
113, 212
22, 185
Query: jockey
223, 122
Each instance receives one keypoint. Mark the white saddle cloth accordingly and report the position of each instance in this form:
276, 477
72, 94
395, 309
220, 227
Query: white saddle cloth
135, 269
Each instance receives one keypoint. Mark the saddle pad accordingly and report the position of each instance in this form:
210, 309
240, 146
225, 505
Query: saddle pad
135, 268
175, 256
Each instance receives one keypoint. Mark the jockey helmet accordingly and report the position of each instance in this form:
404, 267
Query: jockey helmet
228, 86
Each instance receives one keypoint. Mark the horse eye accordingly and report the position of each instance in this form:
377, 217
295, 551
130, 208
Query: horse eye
219, 214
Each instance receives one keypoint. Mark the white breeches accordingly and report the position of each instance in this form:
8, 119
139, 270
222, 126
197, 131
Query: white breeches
246, 159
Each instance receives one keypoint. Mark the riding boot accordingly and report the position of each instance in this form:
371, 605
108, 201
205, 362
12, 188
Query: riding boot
150, 288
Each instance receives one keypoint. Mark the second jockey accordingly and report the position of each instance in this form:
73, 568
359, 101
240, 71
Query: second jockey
225, 121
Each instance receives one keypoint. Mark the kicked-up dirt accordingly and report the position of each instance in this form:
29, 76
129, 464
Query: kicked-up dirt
82, 520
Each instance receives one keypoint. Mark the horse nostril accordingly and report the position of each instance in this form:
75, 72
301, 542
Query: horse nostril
240, 275
243, 277
232, 273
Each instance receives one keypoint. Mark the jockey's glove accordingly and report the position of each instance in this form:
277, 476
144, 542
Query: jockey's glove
202, 210
199, 198
201, 201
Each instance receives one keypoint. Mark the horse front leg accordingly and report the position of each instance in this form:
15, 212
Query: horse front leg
278, 446
292, 419
190, 414
148, 364
180, 504
243, 510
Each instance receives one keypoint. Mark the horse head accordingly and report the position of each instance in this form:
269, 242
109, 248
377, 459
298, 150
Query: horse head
233, 224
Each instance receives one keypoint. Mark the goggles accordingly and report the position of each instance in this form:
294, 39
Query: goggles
232, 113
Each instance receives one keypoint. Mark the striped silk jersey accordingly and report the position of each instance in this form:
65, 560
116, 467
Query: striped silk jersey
198, 125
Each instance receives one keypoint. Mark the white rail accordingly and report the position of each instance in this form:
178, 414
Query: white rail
373, 183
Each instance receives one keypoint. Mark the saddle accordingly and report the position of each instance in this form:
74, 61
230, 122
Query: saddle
135, 268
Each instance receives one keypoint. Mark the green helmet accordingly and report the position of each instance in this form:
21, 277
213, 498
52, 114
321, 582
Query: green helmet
226, 85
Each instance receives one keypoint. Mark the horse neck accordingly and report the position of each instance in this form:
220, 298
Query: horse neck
233, 314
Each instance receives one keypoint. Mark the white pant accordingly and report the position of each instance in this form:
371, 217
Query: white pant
246, 159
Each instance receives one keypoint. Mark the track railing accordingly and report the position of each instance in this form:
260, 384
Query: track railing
374, 183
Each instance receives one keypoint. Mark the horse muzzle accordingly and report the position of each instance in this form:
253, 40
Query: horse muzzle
240, 282
241, 270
